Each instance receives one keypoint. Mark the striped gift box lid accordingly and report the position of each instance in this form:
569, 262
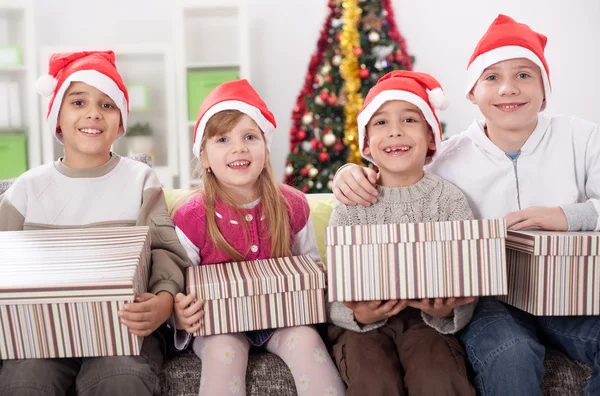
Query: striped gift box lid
552, 243
415, 232
74, 265
249, 278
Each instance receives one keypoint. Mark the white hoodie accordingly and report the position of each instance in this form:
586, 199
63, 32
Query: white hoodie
559, 165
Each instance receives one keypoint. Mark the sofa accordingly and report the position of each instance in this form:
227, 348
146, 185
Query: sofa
267, 374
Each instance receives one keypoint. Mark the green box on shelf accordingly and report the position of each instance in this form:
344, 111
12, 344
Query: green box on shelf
10, 55
13, 155
201, 82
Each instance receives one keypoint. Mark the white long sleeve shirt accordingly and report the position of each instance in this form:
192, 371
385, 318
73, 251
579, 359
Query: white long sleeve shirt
559, 165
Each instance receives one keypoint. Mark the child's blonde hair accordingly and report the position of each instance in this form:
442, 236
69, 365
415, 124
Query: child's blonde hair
274, 204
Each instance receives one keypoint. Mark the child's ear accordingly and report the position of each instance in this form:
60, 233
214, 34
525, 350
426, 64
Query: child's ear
204, 160
472, 96
121, 130
367, 149
431, 141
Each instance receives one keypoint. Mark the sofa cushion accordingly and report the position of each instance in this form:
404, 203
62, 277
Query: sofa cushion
5, 184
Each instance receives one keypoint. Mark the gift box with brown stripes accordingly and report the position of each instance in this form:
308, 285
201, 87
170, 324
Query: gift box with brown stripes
61, 290
261, 294
416, 260
554, 273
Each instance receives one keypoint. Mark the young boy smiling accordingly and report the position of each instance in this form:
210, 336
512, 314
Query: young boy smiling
406, 346
92, 187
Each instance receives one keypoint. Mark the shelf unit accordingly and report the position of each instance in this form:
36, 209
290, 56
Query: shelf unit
209, 35
150, 66
17, 29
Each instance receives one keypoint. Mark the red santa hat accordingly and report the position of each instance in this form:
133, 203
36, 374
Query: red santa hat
95, 68
420, 89
235, 95
506, 39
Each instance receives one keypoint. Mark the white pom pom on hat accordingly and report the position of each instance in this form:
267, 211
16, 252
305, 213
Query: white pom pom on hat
438, 99
46, 84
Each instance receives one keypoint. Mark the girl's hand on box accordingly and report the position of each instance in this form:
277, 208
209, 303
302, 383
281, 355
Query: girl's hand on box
440, 307
367, 312
353, 185
188, 313
147, 312
550, 219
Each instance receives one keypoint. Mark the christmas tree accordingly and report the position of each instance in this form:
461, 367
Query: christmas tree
359, 43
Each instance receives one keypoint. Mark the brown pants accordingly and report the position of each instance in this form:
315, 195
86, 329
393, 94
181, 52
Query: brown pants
403, 357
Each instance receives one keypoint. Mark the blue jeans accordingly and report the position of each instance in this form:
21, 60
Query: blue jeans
507, 357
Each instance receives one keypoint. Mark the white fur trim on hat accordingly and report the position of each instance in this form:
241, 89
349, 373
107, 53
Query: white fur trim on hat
96, 80
46, 84
500, 54
386, 96
243, 107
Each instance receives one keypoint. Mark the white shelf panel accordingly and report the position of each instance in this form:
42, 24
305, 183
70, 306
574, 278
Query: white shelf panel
17, 68
212, 65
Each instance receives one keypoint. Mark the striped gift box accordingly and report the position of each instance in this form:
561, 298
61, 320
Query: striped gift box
61, 290
554, 273
416, 260
261, 294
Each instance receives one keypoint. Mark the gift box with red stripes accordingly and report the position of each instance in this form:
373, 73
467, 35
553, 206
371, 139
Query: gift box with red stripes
261, 294
61, 290
416, 260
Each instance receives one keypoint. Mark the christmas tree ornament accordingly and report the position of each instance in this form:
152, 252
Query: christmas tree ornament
329, 139
307, 119
374, 37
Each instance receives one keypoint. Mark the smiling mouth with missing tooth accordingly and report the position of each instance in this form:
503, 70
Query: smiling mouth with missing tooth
390, 150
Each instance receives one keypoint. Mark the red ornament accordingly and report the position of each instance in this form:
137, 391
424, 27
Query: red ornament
390, 58
301, 135
399, 58
338, 147
364, 73
305, 189
314, 143
329, 78
357, 51
323, 157
324, 96
332, 100
304, 172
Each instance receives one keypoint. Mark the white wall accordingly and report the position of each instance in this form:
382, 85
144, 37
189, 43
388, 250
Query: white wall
440, 34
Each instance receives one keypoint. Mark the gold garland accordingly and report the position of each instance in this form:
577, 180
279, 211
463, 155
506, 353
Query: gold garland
349, 40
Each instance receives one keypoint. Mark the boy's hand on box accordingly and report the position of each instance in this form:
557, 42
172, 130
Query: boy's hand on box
353, 185
367, 312
440, 307
188, 313
147, 312
550, 219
